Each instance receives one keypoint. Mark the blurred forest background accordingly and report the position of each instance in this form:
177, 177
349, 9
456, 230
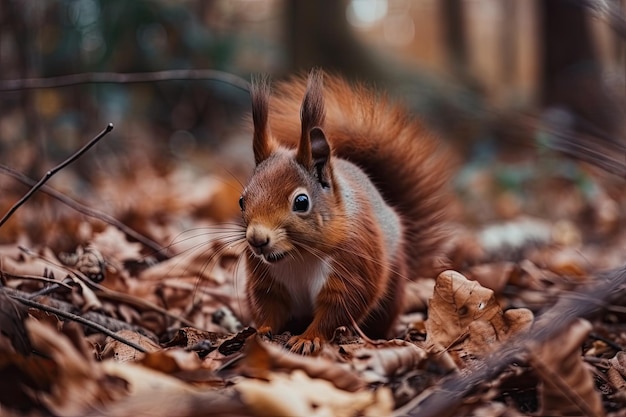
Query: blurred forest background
493, 76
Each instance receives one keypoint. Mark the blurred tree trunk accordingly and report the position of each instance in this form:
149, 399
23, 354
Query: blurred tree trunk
20, 32
571, 76
318, 35
453, 24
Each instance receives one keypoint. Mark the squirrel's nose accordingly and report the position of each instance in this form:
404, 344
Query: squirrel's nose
257, 237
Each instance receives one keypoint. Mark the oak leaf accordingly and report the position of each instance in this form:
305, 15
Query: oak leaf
464, 311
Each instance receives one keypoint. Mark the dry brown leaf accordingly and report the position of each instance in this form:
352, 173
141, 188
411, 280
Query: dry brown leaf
616, 374
618, 362
182, 265
122, 352
567, 384
114, 246
12, 315
190, 336
617, 381
32, 266
462, 309
80, 383
145, 381
172, 360
495, 409
566, 261
179, 403
296, 394
494, 276
48, 266
262, 357
395, 357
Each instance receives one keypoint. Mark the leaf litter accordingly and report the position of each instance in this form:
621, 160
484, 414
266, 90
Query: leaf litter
184, 307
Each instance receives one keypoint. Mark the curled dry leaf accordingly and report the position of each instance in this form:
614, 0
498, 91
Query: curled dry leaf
568, 385
32, 266
180, 402
565, 261
143, 381
296, 394
463, 309
262, 357
393, 358
172, 360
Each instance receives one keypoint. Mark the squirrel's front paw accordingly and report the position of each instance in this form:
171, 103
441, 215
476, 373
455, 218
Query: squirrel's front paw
305, 346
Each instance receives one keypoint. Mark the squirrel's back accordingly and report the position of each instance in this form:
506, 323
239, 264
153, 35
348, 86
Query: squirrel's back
407, 163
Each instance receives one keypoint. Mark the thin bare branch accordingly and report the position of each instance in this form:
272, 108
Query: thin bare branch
122, 78
54, 170
70, 316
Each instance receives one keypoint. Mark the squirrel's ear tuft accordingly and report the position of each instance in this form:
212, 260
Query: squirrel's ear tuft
262, 143
311, 116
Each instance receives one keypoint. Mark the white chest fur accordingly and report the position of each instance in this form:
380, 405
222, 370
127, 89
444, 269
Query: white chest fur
303, 277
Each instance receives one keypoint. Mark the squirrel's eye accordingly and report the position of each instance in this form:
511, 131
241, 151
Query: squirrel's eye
241, 203
301, 203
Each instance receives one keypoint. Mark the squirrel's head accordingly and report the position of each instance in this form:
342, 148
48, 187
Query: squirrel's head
290, 196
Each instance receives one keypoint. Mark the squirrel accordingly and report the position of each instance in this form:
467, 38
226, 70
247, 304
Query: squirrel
345, 202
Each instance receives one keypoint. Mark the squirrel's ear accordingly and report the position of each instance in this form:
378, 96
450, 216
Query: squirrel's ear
262, 142
311, 117
320, 154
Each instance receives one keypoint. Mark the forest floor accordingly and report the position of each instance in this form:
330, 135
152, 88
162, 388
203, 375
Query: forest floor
95, 321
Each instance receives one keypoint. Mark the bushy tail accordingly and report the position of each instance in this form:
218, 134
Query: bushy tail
409, 165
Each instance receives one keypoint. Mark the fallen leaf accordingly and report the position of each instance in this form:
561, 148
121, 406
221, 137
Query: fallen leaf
122, 352
567, 384
263, 357
396, 357
296, 394
494, 275
79, 383
465, 313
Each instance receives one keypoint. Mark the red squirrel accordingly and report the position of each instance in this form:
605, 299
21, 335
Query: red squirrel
344, 204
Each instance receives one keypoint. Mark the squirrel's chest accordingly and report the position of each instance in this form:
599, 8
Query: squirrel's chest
303, 278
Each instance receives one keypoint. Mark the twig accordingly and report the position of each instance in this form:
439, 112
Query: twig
37, 278
104, 291
120, 78
160, 252
54, 170
113, 324
76, 318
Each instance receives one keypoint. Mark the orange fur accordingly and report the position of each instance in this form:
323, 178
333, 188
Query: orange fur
372, 178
